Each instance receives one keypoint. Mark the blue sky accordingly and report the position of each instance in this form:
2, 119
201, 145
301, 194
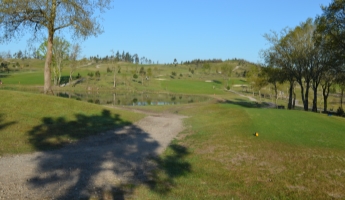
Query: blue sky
166, 29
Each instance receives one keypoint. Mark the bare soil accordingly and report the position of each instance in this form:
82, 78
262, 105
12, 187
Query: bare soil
92, 168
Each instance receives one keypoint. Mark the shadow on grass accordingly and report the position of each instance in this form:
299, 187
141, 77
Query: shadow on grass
170, 167
105, 166
4, 125
4, 75
246, 104
217, 82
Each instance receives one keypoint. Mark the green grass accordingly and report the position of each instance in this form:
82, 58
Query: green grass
298, 155
299, 128
31, 122
192, 87
23, 78
292, 158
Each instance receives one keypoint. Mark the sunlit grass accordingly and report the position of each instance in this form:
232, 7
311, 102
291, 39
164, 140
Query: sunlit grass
30, 122
292, 158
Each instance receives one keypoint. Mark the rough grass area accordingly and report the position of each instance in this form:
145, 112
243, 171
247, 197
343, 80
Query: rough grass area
297, 155
30, 122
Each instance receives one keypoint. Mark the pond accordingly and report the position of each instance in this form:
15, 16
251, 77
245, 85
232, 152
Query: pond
132, 98
121, 98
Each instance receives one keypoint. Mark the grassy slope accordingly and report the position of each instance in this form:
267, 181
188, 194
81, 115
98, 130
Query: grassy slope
297, 155
30, 122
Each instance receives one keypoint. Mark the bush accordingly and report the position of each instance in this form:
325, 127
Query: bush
340, 111
97, 74
90, 74
78, 76
228, 87
173, 73
135, 76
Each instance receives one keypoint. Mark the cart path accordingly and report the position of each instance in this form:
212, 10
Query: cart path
91, 166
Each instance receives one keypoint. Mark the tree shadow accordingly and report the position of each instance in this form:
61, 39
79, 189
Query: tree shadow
104, 166
217, 81
4, 125
246, 104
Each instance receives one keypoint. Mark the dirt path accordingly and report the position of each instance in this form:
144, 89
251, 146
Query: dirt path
92, 166
269, 104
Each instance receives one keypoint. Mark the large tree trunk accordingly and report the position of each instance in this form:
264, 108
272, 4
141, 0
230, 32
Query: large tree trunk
306, 97
47, 64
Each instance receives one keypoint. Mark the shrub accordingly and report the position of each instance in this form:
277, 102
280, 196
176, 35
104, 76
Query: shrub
97, 74
90, 74
340, 111
135, 76
78, 76
228, 87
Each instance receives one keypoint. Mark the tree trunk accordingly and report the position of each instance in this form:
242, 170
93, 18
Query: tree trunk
315, 85
306, 96
290, 95
294, 98
314, 109
276, 93
325, 94
47, 64
114, 99
114, 77
341, 97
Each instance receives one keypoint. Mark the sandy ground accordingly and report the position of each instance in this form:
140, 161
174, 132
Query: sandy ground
90, 167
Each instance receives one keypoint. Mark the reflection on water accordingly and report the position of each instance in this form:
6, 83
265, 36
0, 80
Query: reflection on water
132, 99
121, 98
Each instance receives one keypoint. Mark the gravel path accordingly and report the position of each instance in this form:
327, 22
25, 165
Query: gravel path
88, 168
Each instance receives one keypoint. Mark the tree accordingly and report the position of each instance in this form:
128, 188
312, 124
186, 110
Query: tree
333, 20
75, 53
17, 17
175, 62
114, 69
273, 76
142, 74
341, 82
149, 72
279, 55
61, 48
226, 71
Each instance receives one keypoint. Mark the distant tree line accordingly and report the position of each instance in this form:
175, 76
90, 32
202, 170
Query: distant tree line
200, 61
123, 57
25, 54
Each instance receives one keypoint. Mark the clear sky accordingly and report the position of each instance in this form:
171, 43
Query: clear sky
162, 30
